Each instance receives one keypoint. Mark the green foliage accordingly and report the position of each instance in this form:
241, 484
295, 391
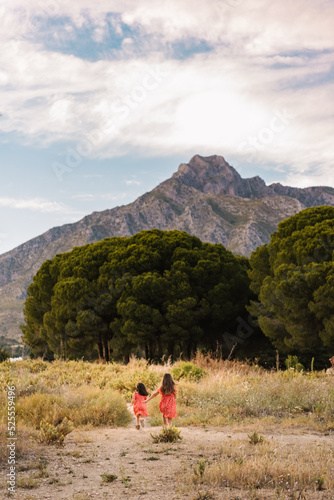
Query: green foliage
126, 480
12, 347
256, 438
167, 435
155, 293
292, 362
200, 467
187, 370
51, 434
294, 278
108, 478
126, 382
320, 483
4, 354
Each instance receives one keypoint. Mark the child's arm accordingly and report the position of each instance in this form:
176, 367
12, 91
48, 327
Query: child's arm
152, 396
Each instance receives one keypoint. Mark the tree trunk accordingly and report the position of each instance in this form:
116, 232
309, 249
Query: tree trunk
100, 347
159, 347
171, 350
106, 352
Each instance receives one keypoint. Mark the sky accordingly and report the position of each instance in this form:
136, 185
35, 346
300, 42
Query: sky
101, 101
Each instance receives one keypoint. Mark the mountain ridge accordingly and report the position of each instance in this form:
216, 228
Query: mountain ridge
206, 197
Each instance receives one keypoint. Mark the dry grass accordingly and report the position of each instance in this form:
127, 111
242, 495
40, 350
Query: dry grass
26, 443
288, 468
87, 405
230, 393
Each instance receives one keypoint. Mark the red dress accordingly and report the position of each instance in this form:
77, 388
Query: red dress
139, 404
167, 404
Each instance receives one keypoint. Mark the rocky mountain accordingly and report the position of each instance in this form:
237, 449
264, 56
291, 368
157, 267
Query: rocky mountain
205, 197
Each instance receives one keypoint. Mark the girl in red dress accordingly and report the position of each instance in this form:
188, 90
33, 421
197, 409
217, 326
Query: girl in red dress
139, 399
167, 404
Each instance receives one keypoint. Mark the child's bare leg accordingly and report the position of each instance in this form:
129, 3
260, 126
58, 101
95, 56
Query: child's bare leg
169, 422
165, 420
137, 422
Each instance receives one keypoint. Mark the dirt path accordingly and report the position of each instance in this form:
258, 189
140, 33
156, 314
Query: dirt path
144, 470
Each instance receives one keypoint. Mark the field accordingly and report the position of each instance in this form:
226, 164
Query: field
247, 433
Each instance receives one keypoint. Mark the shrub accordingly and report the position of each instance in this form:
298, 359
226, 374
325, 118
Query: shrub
51, 434
4, 354
37, 365
188, 370
89, 406
167, 435
127, 381
200, 468
41, 407
292, 362
256, 438
108, 478
98, 407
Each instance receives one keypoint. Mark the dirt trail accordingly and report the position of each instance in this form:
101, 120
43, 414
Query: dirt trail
144, 470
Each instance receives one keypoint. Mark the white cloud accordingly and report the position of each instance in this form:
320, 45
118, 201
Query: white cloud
132, 182
38, 205
264, 58
84, 197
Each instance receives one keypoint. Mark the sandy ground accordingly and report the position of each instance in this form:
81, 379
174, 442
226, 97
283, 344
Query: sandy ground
144, 470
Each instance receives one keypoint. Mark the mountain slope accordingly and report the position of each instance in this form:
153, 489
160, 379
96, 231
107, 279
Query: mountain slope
207, 198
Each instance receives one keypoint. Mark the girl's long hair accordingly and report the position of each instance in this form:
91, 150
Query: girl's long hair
168, 384
141, 389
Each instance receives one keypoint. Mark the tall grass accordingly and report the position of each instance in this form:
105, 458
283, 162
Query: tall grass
227, 392
87, 406
285, 468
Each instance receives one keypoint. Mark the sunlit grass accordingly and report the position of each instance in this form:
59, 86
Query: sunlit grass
229, 393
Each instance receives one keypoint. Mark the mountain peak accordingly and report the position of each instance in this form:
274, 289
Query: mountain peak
212, 174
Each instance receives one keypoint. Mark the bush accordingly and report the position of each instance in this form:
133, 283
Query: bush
188, 370
41, 407
37, 365
108, 478
89, 406
51, 434
4, 354
126, 382
256, 438
167, 435
292, 362
100, 407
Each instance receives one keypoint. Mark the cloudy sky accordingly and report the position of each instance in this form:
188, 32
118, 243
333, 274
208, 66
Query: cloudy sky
103, 100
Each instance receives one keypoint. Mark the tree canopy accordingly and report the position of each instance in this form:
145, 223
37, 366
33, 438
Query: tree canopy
293, 277
157, 292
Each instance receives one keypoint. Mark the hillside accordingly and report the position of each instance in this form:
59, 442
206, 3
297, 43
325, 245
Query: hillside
206, 197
